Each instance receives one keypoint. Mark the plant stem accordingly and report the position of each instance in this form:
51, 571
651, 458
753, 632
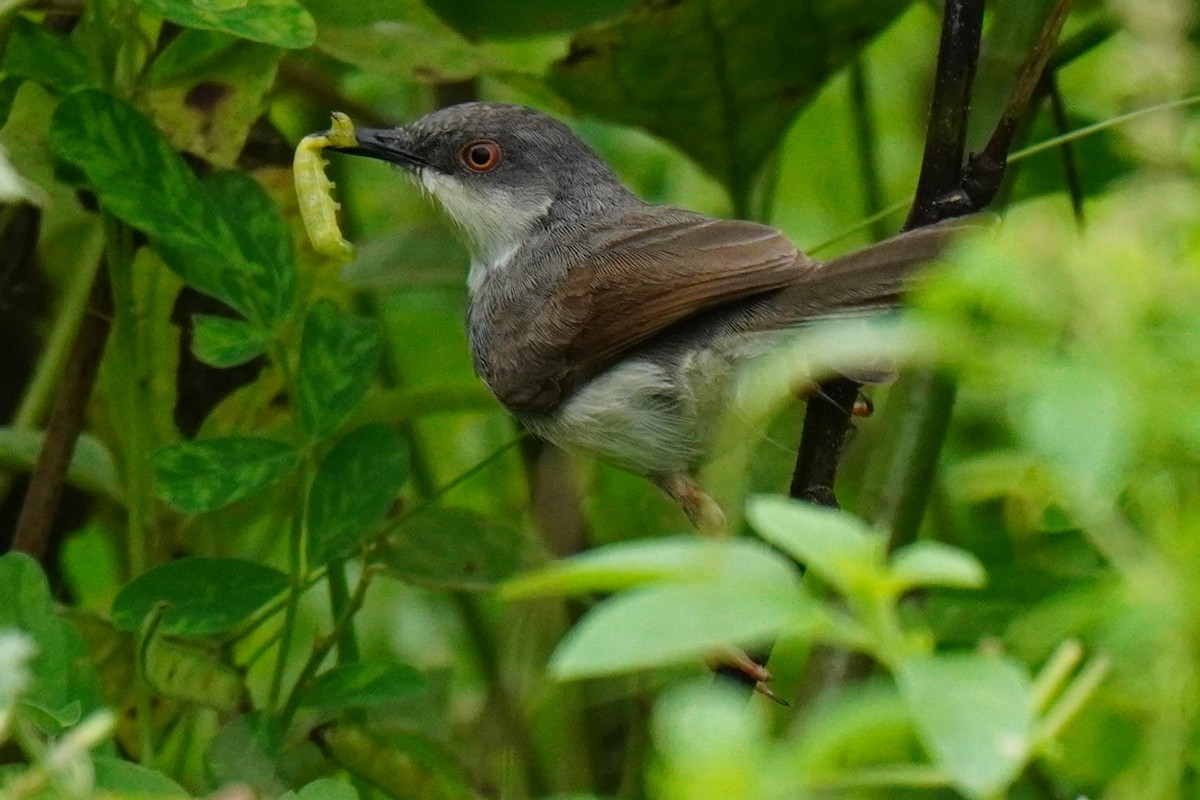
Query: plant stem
339, 599
297, 573
915, 422
128, 393
324, 644
864, 139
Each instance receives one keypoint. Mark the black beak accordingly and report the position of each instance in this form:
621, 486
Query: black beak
393, 145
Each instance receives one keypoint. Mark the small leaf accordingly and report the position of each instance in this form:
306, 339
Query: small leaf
225, 342
324, 789
355, 485
673, 624
282, 23
124, 778
836, 546
452, 548
974, 713
34, 53
936, 564
338, 354
246, 750
208, 474
203, 596
363, 685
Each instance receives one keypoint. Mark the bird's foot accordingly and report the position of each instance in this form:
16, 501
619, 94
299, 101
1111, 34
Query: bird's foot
701, 509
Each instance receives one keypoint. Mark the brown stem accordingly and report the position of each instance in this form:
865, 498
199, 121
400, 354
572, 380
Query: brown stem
32, 535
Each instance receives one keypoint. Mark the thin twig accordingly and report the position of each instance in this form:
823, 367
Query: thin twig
45, 490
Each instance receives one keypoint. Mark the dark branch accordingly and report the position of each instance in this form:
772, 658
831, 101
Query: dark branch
66, 422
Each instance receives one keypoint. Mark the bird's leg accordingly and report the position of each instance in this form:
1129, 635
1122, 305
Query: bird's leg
701, 509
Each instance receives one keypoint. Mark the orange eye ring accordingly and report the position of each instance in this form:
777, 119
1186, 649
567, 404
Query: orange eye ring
481, 155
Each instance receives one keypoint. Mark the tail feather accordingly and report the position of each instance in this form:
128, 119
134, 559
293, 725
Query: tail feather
872, 277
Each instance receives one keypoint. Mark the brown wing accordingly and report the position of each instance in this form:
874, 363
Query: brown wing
675, 266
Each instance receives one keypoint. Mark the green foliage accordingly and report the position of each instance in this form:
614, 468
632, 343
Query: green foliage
724, 91
363, 584
197, 596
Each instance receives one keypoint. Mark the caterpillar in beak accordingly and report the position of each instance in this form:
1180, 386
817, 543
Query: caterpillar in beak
318, 209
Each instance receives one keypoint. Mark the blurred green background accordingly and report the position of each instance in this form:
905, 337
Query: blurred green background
274, 567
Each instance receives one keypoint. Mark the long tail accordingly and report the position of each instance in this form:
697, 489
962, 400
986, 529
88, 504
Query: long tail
873, 277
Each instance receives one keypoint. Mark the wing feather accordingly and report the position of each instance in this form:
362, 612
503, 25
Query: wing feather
659, 271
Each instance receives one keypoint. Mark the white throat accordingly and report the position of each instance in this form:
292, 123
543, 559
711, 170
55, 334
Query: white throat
495, 221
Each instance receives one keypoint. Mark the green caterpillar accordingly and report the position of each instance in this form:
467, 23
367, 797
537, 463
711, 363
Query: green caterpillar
318, 209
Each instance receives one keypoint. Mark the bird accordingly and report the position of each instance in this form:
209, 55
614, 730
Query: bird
603, 322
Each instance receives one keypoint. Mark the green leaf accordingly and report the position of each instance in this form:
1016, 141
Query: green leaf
628, 564
1083, 421
363, 685
838, 547
210, 473
397, 38
225, 342
324, 789
125, 778
674, 624
355, 486
338, 354
91, 468
140, 179
262, 236
974, 713
283, 23
34, 53
63, 681
452, 548
8, 95
722, 79
246, 750
936, 564
203, 596
206, 89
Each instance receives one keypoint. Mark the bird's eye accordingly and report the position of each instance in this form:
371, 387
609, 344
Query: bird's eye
481, 155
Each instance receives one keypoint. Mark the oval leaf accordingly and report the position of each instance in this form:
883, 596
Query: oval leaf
355, 485
674, 624
836, 546
452, 548
974, 713
362, 685
203, 596
338, 354
627, 564
225, 342
936, 564
210, 473
124, 778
